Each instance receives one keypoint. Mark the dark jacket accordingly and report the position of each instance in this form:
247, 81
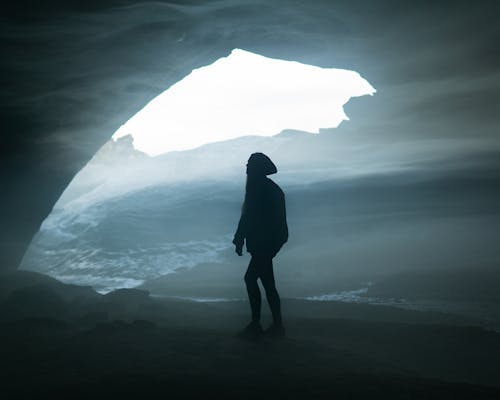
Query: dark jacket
263, 218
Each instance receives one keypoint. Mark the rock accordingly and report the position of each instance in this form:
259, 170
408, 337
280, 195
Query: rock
34, 301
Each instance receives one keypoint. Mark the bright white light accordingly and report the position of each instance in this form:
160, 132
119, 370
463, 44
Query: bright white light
243, 94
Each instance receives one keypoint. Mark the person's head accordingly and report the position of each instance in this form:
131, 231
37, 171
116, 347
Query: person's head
260, 165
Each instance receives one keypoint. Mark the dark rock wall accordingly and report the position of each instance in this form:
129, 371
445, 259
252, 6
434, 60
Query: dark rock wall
73, 72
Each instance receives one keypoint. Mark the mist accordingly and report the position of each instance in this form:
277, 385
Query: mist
360, 218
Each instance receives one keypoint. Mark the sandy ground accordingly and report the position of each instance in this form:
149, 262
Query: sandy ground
62, 341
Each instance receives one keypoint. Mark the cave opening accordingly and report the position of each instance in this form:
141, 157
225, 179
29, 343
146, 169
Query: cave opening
243, 94
127, 218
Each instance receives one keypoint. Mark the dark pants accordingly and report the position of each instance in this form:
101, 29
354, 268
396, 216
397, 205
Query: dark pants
261, 266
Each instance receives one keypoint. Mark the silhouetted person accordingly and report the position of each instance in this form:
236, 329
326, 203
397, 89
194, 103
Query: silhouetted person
263, 226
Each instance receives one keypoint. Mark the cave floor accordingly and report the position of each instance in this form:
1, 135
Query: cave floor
179, 349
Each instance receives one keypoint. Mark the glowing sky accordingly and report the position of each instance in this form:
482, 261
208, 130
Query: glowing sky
243, 94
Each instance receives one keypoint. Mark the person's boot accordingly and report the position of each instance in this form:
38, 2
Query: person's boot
252, 331
275, 331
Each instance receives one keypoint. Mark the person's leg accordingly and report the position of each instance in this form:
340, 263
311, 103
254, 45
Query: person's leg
265, 268
253, 291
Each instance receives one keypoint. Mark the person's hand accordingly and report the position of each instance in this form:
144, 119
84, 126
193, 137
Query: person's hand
239, 250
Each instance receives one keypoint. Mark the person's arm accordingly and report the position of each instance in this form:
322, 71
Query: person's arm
282, 224
279, 224
239, 236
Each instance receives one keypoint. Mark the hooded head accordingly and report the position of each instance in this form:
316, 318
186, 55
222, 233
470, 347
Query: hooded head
260, 165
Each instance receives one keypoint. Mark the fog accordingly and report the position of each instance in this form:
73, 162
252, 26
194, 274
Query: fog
371, 208
364, 220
